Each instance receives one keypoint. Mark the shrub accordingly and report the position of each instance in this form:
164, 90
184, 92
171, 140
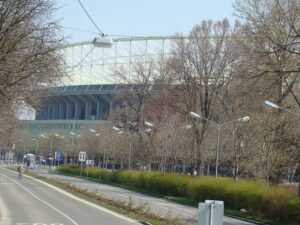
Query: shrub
256, 197
292, 210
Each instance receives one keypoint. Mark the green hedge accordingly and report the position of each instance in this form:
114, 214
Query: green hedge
256, 197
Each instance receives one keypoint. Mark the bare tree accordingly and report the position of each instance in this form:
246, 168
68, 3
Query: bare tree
269, 64
28, 40
201, 67
270, 42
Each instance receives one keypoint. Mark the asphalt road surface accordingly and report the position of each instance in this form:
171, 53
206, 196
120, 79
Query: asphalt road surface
31, 202
156, 205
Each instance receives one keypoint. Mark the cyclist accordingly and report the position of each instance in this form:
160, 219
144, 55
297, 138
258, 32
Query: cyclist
20, 171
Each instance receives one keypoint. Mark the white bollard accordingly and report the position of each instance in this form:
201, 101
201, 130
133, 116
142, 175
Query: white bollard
211, 212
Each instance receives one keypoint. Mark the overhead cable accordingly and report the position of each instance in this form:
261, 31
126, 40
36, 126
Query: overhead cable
102, 34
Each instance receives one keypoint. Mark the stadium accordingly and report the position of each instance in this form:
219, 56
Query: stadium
86, 96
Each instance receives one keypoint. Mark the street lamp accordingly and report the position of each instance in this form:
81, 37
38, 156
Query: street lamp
148, 130
51, 149
218, 125
130, 145
149, 124
22, 140
72, 133
74, 136
93, 131
57, 155
118, 130
273, 105
35, 140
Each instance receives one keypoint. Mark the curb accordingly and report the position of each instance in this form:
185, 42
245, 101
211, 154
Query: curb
246, 220
144, 223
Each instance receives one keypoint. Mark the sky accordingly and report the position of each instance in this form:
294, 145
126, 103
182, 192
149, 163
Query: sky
137, 17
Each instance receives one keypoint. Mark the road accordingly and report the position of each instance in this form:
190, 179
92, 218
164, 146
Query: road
32, 202
156, 205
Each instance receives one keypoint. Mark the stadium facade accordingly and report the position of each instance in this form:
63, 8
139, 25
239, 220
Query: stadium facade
87, 95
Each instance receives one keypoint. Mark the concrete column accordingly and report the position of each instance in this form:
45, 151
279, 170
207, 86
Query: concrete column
59, 111
99, 111
70, 114
77, 108
44, 113
40, 115
88, 107
55, 111
67, 111
110, 109
48, 111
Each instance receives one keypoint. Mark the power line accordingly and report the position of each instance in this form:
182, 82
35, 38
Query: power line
102, 34
93, 32
78, 29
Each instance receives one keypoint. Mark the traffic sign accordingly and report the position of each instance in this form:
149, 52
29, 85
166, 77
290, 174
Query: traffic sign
58, 156
89, 162
82, 156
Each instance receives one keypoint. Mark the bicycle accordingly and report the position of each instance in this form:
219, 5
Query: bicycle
19, 169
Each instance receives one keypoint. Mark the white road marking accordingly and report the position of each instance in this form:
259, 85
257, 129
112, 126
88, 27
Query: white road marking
5, 219
82, 200
165, 204
7, 183
39, 224
41, 200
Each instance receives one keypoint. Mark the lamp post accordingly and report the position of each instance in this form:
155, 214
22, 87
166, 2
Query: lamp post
95, 134
148, 124
74, 136
50, 152
58, 155
130, 146
273, 105
218, 125
35, 140
21, 140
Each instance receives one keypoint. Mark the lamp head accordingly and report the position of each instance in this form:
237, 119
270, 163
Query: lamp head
148, 130
116, 128
244, 119
148, 124
194, 115
271, 104
188, 126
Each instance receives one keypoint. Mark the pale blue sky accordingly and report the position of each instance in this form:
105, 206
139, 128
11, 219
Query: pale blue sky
139, 17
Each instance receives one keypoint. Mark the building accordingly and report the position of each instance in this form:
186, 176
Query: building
88, 95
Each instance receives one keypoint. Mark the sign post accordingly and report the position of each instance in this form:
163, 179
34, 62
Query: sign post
58, 157
82, 157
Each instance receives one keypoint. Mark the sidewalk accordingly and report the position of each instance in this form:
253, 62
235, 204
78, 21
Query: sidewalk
163, 207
